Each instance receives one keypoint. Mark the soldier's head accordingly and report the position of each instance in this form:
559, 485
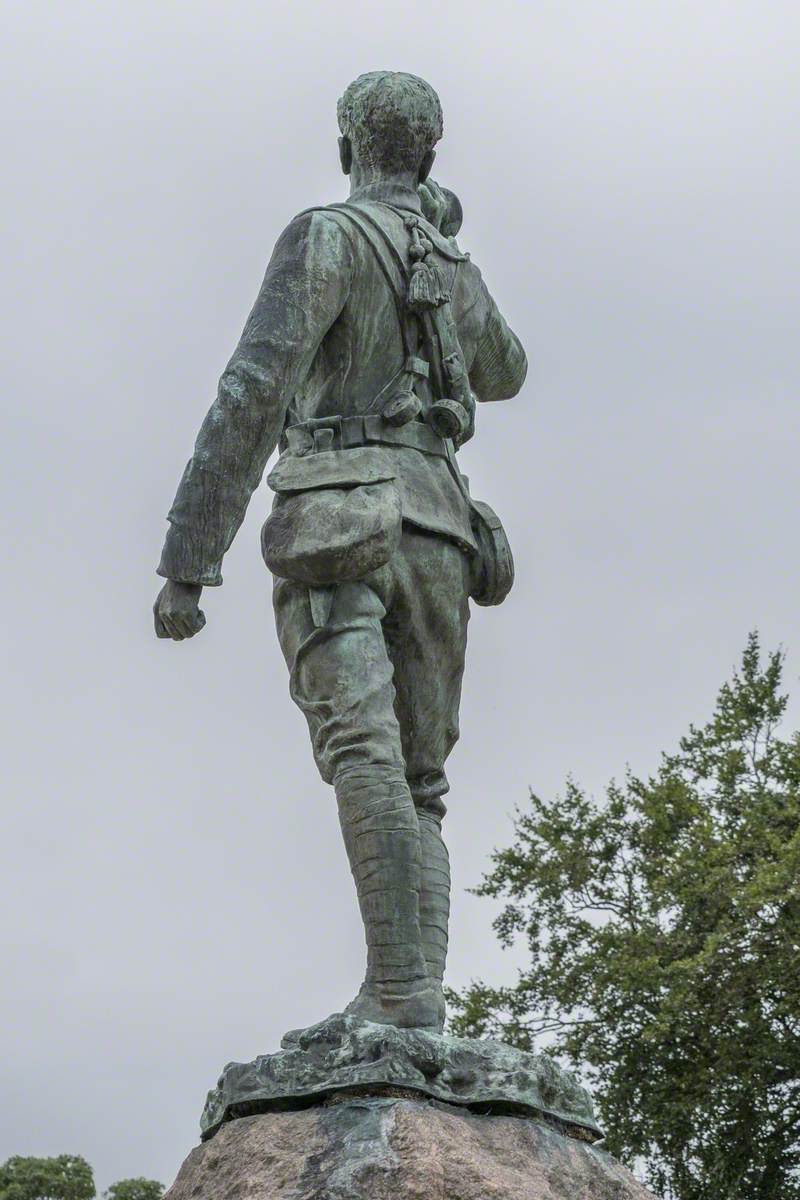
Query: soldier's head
390, 123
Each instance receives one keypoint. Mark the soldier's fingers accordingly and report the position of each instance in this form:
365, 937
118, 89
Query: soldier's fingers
199, 620
176, 620
438, 200
171, 627
184, 623
191, 623
160, 628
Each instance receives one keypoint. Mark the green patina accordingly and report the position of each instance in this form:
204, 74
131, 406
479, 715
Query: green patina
369, 348
345, 1056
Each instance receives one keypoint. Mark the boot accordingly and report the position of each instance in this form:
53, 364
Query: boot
434, 900
382, 838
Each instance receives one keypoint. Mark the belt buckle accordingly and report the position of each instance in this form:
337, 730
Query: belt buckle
318, 433
324, 432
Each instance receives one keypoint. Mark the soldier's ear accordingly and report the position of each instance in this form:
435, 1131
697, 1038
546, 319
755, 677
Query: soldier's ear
346, 154
426, 165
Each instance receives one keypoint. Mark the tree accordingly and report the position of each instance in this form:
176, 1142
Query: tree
67, 1177
663, 930
135, 1189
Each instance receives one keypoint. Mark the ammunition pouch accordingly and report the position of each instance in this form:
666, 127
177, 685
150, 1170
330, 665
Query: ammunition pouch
493, 574
337, 514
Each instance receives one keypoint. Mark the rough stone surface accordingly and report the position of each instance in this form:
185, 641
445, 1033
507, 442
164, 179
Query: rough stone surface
398, 1150
345, 1053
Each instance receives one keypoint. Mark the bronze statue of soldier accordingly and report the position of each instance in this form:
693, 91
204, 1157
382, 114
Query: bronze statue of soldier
370, 340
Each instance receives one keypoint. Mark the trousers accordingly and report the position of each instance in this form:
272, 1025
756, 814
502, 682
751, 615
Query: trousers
376, 665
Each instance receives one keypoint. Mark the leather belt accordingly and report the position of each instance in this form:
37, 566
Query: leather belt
349, 432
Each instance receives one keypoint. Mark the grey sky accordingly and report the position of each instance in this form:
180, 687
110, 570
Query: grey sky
174, 893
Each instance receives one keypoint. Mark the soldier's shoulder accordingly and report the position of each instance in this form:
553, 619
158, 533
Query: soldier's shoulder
319, 216
316, 229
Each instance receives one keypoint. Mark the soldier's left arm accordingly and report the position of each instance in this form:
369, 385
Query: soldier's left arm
497, 363
304, 290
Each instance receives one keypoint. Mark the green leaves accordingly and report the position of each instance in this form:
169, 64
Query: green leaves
663, 927
67, 1177
135, 1189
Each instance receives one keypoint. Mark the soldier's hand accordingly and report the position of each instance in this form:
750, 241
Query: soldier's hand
441, 207
434, 203
176, 611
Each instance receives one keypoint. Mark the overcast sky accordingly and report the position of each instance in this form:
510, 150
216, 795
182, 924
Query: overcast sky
174, 890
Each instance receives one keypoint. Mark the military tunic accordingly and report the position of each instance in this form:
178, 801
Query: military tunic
375, 664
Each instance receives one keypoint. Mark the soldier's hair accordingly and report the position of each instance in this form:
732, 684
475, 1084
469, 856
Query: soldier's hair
392, 119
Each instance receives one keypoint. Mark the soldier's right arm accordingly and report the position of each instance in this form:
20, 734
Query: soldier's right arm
305, 288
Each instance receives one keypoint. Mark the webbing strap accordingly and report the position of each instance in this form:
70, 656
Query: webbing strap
385, 240
390, 265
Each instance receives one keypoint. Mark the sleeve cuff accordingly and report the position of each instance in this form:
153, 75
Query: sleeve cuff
183, 562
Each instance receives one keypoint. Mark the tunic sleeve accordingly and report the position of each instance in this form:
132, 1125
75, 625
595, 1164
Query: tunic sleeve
306, 285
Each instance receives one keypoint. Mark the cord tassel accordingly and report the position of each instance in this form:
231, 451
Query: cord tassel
427, 287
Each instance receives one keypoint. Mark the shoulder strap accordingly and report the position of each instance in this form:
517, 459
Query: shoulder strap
381, 241
390, 264
437, 325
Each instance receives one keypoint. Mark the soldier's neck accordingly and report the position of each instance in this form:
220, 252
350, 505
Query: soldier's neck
372, 185
362, 175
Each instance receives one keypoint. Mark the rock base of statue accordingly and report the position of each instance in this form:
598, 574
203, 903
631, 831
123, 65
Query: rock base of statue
350, 1110
395, 1149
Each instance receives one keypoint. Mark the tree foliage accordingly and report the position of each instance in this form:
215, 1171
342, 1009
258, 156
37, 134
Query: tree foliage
135, 1189
663, 927
67, 1177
